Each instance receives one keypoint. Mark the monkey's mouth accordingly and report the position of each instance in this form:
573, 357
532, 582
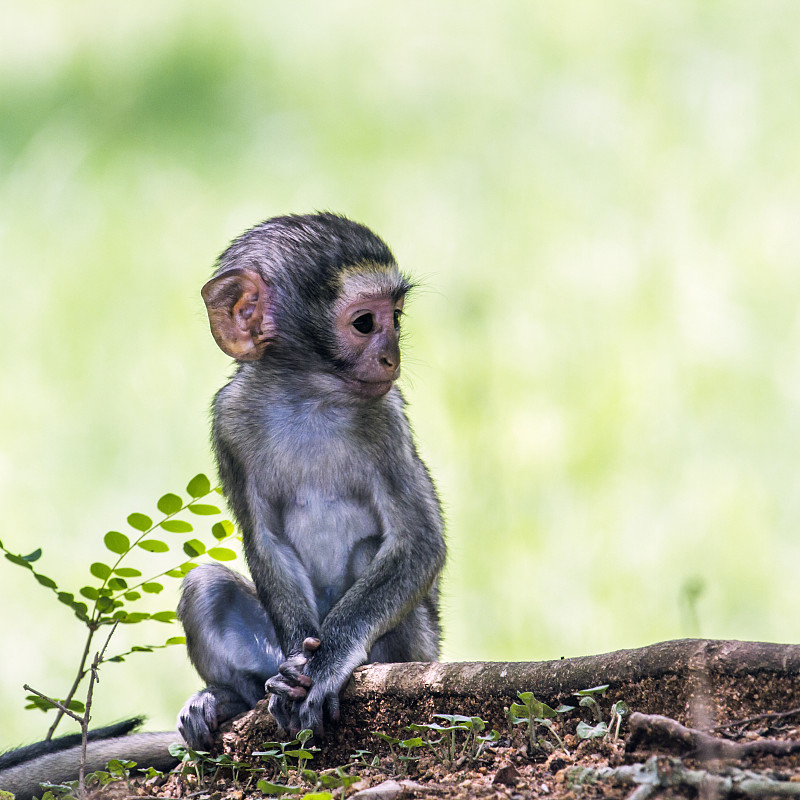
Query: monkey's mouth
368, 389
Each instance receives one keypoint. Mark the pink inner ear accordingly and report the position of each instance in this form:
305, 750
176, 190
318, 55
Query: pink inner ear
238, 305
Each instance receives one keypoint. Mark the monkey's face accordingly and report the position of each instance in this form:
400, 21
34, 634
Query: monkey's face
367, 334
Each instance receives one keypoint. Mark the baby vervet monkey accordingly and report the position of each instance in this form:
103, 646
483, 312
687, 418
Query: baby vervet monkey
341, 524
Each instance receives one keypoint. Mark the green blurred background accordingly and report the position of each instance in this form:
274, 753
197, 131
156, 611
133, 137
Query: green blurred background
603, 366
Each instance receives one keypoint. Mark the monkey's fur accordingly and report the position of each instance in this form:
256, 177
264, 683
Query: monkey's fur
341, 525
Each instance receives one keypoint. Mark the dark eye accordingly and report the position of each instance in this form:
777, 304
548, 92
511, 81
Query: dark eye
364, 324
397, 314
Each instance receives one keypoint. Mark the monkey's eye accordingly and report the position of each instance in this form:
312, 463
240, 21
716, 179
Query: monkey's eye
364, 324
397, 314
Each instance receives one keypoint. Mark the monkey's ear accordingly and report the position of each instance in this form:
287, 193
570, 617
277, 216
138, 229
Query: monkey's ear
240, 313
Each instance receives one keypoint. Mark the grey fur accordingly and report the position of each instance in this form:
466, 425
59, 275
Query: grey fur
341, 524
147, 749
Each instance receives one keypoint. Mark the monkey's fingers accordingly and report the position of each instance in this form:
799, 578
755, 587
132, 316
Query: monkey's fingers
332, 708
292, 671
283, 687
281, 708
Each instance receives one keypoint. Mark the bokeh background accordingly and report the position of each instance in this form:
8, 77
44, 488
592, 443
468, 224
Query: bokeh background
603, 364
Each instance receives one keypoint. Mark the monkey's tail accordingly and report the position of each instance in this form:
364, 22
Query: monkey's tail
23, 770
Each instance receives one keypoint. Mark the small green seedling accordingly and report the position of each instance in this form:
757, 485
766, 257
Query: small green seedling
618, 711
390, 740
536, 713
190, 760
302, 754
360, 757
278, 752
588, 700
601, 729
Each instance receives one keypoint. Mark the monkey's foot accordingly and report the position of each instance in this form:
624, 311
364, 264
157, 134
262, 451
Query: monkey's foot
205, 711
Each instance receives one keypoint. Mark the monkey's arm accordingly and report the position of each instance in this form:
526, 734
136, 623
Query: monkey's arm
402, 572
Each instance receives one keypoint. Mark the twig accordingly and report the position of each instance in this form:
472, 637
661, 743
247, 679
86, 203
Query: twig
93, 678
653, 729
56, 703
75, 684
769, 716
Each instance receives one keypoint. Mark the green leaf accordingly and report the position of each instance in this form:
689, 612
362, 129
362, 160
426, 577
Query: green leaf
117, 542
174, 573
278, 788
175, 640
117, 584
34, 556
199, 486
18, 560
169, 504
299, 753
222, 554
222, 529
105, 603
132, 596
127, 572
318, 796
620, 708
416, 741
136, 616
34, 701
194, 548
204, 510
177, 750
163, 616
585, 731
45, 581
563, 709
100, 570
152, 587
594, 690
89, 592
141, 522
154, 546
177, 526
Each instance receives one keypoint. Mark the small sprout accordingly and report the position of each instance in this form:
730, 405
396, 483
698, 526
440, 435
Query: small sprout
390, 740
593, 706
361, 756
535, 713
618, 711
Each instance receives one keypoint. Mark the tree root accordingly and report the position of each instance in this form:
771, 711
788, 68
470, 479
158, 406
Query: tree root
669, 773
650, 731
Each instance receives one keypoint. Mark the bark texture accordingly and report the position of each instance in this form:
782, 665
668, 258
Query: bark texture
696, 681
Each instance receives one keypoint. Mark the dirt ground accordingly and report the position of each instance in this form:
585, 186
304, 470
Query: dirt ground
506, 768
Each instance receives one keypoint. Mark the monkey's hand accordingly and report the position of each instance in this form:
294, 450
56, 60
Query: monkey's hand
329, 671
290, 685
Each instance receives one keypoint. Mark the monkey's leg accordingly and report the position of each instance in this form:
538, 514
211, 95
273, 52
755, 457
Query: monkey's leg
414, 638
231, 643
